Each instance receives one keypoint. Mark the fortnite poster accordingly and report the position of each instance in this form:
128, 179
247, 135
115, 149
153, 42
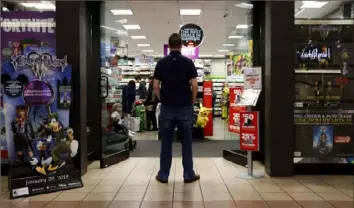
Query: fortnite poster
39, 141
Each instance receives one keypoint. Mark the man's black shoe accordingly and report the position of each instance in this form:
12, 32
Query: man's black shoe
191, 180
161, 180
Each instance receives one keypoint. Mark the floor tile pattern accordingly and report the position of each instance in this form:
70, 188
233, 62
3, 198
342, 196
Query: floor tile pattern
131, 184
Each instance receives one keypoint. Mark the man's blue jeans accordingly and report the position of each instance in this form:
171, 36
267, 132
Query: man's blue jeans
183, 119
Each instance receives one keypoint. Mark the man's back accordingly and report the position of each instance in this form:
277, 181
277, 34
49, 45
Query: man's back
175, 72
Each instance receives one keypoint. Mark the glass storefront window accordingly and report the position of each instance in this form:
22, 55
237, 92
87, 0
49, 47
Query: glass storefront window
323, 115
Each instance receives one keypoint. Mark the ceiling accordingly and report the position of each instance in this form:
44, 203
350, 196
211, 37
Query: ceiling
159, 19
218, 19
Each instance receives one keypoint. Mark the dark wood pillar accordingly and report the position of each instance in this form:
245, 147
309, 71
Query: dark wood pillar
71, 36
279, 87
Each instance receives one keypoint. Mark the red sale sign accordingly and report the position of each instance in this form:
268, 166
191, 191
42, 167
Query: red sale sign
249, 131
234, 118
235, 95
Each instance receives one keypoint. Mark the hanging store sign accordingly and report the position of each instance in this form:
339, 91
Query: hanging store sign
192, 35
189, 52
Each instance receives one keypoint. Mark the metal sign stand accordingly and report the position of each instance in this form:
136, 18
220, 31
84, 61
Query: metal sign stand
250, 174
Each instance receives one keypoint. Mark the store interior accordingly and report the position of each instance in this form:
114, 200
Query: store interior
135, 31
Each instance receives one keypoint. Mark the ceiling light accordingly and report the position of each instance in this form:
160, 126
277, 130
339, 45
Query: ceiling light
138, 37
241, 26
122, 12
132, 27
40, 6
219, 56
147, 51
190, 11
245, 5
313, 4
228, 45
235, 36
122, 21
222, 50
144, 45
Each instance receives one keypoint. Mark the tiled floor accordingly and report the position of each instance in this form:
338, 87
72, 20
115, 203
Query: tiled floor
131, 184
220, 132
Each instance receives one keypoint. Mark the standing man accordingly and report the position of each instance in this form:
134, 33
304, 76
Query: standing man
174, 75
142, 91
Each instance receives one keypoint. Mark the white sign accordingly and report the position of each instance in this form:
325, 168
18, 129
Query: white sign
253, 78
28, 25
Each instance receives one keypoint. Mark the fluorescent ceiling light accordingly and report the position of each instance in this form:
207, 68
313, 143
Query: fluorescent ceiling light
122, 21
190, 11
122, 12
235, 36
132, 27
241, 26
147, 51
219, 56
245, 5
228, 45
138, 37
299, 12
222, 50
144, 45
313, 4
39, 6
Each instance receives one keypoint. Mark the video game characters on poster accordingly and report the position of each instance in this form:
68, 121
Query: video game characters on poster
23, 133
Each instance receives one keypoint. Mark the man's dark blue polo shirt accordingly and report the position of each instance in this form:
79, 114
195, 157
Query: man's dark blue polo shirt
175, 72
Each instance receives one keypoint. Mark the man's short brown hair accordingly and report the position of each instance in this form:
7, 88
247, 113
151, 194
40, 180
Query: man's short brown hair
175, 41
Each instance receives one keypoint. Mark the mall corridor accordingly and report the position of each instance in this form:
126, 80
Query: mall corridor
131, 184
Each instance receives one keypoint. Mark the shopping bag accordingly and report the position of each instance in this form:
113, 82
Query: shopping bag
134, 124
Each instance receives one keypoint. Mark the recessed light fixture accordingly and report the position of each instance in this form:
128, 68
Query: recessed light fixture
144, 45
190, 11
245, 5
235, 36
228, 45
147, 51
313, 4
138, 37
122, 12
132, 27
223, 50
241, 26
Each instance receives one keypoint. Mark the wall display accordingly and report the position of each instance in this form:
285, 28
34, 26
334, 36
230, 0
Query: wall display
324, 93
40, 143
235, 66
189, 52
208, 104
249, 131
192, 35
324, 135
144, 60
324, 47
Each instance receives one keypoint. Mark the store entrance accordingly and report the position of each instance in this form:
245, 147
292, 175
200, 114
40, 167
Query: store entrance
135, 37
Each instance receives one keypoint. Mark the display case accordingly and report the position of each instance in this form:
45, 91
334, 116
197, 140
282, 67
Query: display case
324, 89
